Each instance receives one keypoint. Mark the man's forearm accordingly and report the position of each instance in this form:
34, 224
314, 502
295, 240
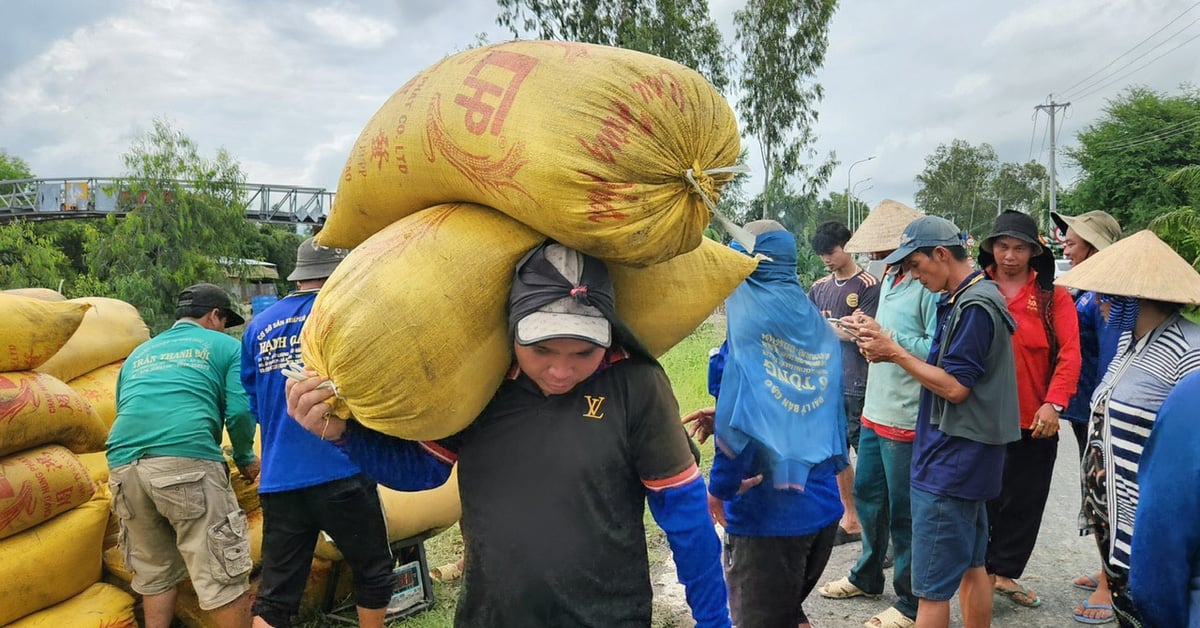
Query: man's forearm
937, 380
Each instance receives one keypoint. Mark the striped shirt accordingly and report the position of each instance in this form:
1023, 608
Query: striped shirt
1127, 401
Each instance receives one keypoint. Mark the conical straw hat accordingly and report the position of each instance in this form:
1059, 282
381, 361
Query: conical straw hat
1140, 266
883, 228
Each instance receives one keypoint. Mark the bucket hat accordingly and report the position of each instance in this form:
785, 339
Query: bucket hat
1096, 227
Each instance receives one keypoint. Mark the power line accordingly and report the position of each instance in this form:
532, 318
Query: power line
1032, 136
1194, 126
1141, 66
1149, 134
1135, 47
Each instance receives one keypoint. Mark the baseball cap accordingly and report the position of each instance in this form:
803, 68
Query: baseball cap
1096, 227
924, 232
207, 295
555, 294
314, 261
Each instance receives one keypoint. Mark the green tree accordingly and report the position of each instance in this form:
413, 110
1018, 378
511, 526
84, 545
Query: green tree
680, 30
1126, 156
12, 167
29, 260
782, 44
175, 233
277, 245
956, 184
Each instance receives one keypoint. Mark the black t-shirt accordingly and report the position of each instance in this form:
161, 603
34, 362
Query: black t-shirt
553, 499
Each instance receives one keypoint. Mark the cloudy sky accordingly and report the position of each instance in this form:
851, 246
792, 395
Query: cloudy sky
286, 86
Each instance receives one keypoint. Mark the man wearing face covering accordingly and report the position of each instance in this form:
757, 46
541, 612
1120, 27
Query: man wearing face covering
555, 473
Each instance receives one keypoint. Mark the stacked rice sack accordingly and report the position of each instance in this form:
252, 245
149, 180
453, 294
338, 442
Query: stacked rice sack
477, 160
53, 515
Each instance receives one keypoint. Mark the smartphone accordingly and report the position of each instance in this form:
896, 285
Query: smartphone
850, 332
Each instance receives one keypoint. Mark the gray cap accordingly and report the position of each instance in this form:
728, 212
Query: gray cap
552, 268
314, 261
924, 232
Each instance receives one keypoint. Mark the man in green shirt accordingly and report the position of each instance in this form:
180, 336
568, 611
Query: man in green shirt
170, 486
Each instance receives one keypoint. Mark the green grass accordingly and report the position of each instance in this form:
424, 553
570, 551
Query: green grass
687, 367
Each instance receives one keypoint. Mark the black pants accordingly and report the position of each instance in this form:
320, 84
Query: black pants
1081, 436
349, 511
1015, 517
771, 576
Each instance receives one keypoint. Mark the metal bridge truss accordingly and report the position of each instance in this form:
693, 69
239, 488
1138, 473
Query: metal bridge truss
88, 197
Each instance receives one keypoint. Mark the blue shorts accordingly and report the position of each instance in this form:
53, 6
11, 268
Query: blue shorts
949, 536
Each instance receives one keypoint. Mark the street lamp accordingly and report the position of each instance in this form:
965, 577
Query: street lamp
853, 217
848, 171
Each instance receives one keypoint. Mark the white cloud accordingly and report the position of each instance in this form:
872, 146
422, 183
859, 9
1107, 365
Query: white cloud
353, 31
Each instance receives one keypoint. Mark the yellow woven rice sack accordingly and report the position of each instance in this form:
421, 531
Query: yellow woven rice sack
412, 328
37, 409
411, 513
110, 331
34, 329
99, 387
97, 466
45, 294
587, 144
37, 484
99, 606
45, 565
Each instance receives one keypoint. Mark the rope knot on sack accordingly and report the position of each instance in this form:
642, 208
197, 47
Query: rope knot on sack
703, 184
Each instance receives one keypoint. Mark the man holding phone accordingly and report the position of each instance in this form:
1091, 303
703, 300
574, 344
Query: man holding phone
846, 289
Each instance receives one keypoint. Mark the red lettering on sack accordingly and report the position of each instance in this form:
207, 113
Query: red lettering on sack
482, 116
379, 150
615, 131
603, 195
660, 86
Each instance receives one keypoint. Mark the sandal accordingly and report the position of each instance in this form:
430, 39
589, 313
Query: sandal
1021, 596
1084, 619
445, 573
843, 589
843, 537
1087, 582
890, 618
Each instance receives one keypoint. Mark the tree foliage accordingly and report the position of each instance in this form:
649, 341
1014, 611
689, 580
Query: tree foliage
782, 45
12, 167
1126, 156
970, 186
680, 30
28, 260
174, 234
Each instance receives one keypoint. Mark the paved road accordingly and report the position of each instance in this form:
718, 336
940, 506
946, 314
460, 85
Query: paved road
1060, 555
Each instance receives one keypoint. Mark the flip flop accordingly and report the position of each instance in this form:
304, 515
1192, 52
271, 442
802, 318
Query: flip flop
890, 618
1093, 583
1084, 619
843, 537
1031, 599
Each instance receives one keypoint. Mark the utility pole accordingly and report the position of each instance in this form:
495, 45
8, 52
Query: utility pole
1052, 108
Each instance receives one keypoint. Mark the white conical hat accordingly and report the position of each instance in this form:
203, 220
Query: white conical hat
1140, 266
883, 228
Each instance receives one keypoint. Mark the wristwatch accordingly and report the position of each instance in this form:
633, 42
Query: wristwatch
1057, 408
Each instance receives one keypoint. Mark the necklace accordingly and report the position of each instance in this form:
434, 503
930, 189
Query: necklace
841, 282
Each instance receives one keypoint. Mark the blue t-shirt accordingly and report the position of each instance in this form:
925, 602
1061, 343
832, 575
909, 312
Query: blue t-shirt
1097, 345
292, 458
947, 465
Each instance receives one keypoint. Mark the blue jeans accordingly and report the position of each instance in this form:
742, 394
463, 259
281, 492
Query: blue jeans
881, 497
